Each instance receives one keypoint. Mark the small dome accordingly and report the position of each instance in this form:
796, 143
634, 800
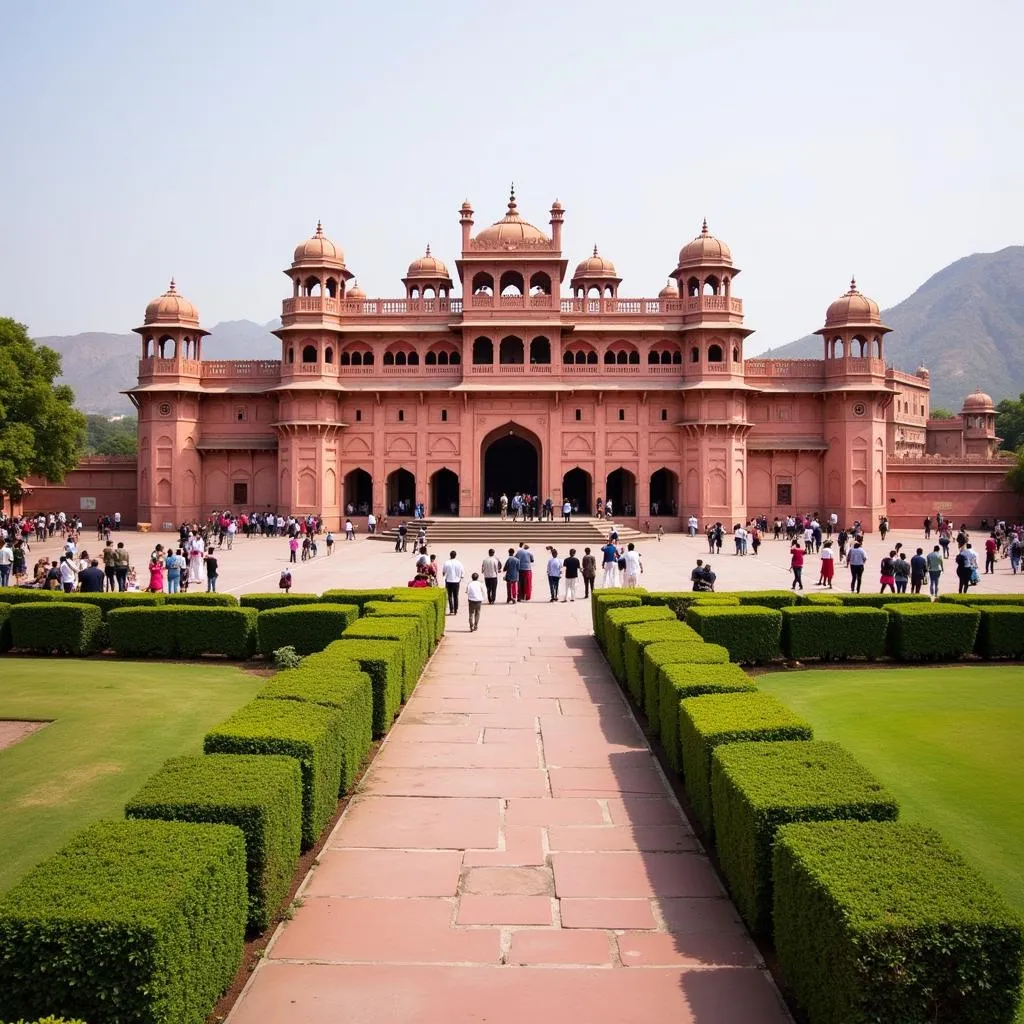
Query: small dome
979, 402
355, 292
705, 250
853, 308
923, 372
171, 308
319, 250
511, 229
670, 291
595, 266
427, 266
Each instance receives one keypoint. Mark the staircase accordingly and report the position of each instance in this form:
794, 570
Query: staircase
498, 533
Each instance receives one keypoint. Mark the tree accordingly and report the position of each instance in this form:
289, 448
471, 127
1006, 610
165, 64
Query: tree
1010, 422
105, 436
1015, 478
41, 432
940, 414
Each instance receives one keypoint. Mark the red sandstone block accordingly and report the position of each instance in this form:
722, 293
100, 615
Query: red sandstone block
524, 846
500, 910
622, 913
556, 946
385, 873
585, 811
633, 875
651, 838
660, 949
419, 823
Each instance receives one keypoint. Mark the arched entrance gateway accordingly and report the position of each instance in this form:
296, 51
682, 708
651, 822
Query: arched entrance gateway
510, 456
576, 487
444, 493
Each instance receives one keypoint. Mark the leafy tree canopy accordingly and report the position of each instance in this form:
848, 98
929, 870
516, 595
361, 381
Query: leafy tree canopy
1016, 475
111, 437
941, 414
41, 432
1010, 422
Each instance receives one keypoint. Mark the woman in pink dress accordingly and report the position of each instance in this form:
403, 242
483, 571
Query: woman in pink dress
156, 575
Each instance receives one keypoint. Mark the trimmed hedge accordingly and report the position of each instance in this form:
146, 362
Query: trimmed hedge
884, 922
680, 600
334, 684
130, 921
668, 652
109, 602
407, 632
602, 601
382, 661
816, 631
1000, 631
26, 595
308, 628
5, 628
750, 634
638, 635
406, 609
830, 600
63, 626
756, 787
975, 600
677, 682
308, 732
777, 599
708, 722
203, 598
356, 597
434, 597
51, 1020
931, 631
881, 600
264, 602
615, 621
183, 632
261, 795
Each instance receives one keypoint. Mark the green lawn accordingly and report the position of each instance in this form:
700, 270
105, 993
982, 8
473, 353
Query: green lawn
946, 741
114, 724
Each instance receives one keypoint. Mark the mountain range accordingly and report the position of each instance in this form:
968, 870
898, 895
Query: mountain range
965, 323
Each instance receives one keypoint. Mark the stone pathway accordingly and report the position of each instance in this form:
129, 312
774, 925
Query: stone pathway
514, 854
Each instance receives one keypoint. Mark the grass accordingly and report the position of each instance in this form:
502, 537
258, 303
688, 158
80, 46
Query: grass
113, 725
945, 741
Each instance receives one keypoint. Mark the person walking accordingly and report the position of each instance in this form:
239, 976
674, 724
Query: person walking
887, 573
6, 562
935, 566
122, 563
610, 565
828, 565
554, 574
211, 572
452, 572
511, 577
991, 546
475, 599
174, 564
634, 567
490, 569
525, 557
856, 560
796, 565
901, 573
350, 530
572, 567
963, 571
918, 570
588, 569
566, 511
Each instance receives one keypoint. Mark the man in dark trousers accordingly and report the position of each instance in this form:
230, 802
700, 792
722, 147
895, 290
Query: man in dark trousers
91, 580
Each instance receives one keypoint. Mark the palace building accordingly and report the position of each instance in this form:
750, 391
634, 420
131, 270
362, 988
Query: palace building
515, 375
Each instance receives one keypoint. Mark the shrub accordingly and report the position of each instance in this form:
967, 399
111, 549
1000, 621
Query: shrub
203, 598
306, 627
108, 602
756, 787
343, 687
264, 602
768, 598
5, 628
972, 600
286, 657
130, 921
881, 600
307, 732
418, 610
678, 681
829, 600
818, 631
183, 631
615, 621
261, 795
931, 631
27, 595
382, 661
667, 652
602, 601
60, 626
751, 635
408, 633
433, 597
708, 722
636, 636
1000, 631
884, 922
680, 600
356, 597
51, 1020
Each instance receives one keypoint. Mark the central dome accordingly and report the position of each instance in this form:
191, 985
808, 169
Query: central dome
705, 249
512, 228
427, 266
979, 402
319, 250
853, 308
595, 266
171, 308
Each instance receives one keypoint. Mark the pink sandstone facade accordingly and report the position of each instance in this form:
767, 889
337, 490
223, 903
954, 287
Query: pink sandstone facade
525, 384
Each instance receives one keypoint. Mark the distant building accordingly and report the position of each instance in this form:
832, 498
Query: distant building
522, 384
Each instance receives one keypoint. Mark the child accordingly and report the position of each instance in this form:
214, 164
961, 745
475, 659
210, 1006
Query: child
475, 600
285, 582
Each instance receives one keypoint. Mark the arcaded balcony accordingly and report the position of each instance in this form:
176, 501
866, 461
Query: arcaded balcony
155, 367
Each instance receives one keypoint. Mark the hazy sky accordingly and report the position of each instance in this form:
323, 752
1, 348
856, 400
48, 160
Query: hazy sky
142, 139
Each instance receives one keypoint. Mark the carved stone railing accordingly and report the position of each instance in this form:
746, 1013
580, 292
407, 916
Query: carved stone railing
814, 368
240, 368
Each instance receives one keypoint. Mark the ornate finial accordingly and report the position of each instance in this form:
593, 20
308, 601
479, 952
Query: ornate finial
171, 288
428, 248
512, 198
704, 229
853, 283
595, 248
319, 229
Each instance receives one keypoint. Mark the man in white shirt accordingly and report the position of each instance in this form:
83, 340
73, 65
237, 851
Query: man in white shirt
634, 567
491, 568
231, 531
691, 526
371, 523
68, 574
475, 597
6, 561
452, 572
566, 511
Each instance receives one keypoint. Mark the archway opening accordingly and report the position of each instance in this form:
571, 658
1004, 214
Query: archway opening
664, 495
444, 493
358, 497
577, 487
401, 492
511, 464
621, 492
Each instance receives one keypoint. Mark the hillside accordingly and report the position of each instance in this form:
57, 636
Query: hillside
965, 323
100, 366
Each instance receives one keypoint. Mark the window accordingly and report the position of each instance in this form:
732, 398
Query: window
240, 494
622, 414
444, 415
664, 415
241, 414
783, 494
359, 415
401, 415
579, 414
